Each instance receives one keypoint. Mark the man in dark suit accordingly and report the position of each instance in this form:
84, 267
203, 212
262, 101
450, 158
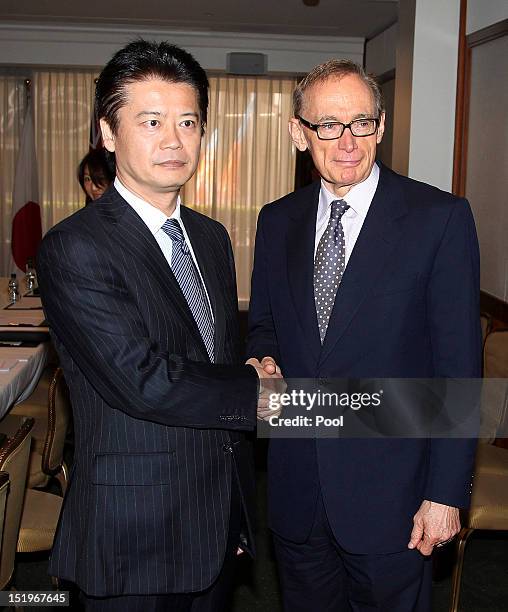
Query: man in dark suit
140, 295
364, 274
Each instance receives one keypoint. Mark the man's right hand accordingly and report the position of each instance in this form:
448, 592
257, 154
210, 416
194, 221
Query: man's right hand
271, 381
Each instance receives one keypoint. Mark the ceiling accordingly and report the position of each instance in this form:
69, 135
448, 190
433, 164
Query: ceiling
363, 18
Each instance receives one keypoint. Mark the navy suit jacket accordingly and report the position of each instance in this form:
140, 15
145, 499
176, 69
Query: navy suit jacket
159, 429
407, 307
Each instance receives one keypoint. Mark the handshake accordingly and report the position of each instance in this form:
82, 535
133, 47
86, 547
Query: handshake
270, 381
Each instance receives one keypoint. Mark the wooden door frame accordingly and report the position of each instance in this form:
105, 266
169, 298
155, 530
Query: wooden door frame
497, 308
466, 44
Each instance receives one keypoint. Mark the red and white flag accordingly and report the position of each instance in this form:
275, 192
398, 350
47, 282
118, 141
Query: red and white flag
26, 212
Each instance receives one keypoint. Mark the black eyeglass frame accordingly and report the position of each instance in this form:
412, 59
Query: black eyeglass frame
315, 126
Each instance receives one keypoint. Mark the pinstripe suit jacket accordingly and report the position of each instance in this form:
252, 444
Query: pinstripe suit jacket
158, 427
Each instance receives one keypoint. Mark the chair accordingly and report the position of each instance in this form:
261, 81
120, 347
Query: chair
41, 509
49, 406
489, 500
14, 454
37, 512
486, 324
39, 520
4, 487
36, 407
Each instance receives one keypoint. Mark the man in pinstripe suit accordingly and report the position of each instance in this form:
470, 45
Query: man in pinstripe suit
141, 298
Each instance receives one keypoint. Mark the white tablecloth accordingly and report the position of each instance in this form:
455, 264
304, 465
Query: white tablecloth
19, 382
27, 363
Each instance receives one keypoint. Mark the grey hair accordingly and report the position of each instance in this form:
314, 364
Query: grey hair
335, 68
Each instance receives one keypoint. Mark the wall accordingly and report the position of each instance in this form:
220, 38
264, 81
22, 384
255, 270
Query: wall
93, 46
435, 56
380, 60
487, 157
483, 13
487, 160
424, 51
380, 51
385, 149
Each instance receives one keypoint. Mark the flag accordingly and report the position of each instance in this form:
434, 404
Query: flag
26, 212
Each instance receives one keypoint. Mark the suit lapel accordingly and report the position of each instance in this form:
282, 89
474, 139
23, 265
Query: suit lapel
203, 251
129, 232
300, 263
379, 235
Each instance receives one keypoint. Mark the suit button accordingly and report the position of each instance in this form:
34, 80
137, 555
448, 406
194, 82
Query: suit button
227, 448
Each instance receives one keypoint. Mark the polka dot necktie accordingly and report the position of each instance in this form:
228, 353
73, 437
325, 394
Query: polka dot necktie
329, 265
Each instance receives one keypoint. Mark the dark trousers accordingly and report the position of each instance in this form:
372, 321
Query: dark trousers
214, 599
320, 575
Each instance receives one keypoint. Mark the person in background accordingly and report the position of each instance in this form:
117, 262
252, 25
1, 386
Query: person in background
95, 174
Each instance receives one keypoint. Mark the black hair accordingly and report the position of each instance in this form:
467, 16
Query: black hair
100, 168
141, 60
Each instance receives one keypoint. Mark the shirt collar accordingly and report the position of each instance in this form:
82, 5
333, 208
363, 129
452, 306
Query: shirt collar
359, 197
152, 217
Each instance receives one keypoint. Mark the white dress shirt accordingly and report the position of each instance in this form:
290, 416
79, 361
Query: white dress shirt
154, 219
359, 199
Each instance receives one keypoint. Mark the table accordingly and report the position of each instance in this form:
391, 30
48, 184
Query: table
20, 366
26, 310
19, 382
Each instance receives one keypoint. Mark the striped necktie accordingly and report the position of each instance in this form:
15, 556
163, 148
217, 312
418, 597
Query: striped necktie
190, 282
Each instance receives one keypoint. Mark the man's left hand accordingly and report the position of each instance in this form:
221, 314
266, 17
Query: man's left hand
434, 524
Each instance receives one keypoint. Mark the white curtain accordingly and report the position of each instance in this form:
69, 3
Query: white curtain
63, 106
12, 111
247, 160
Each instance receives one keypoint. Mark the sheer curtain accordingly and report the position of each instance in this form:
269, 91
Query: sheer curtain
247, 160
12, 111
63, 104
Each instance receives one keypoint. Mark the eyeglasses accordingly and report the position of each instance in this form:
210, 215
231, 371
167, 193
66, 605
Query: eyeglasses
334, 129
